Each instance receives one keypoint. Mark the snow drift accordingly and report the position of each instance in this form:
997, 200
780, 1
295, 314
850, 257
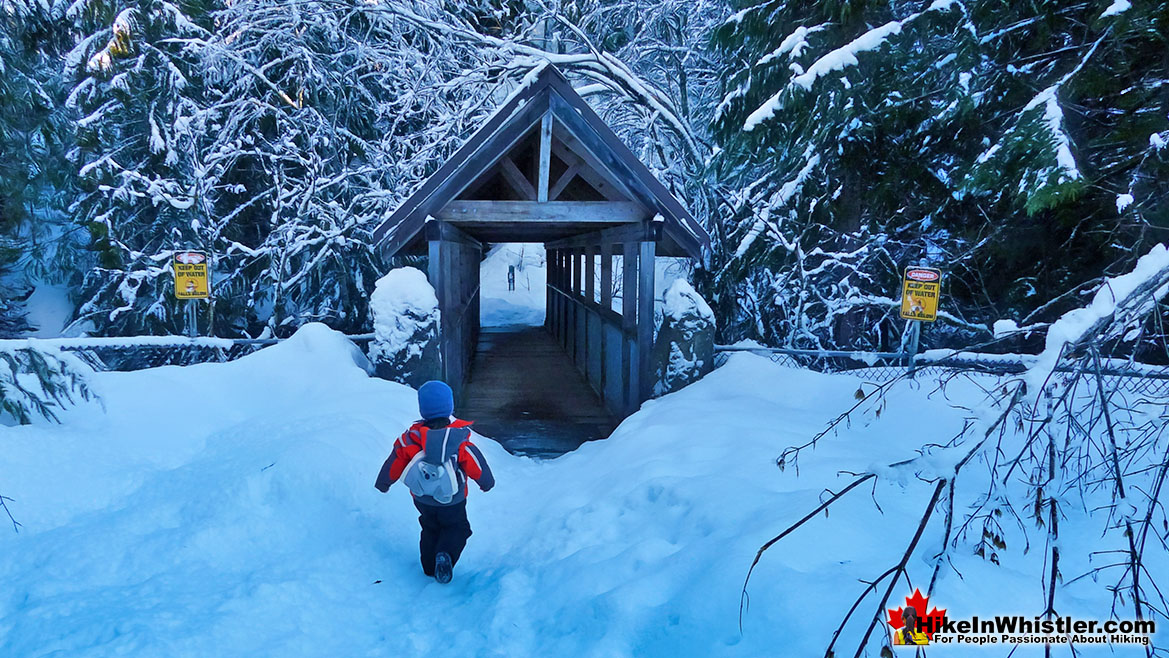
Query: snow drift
229, 509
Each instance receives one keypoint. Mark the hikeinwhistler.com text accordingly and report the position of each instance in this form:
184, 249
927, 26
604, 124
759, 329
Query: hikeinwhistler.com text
1018, 629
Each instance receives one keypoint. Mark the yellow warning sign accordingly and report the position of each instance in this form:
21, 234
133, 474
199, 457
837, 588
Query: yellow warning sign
920, 290
191, 278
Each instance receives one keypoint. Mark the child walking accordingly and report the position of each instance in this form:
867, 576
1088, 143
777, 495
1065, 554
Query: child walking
435, 457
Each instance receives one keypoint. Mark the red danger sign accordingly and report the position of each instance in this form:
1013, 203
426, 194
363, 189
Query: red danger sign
190, 257
923, 275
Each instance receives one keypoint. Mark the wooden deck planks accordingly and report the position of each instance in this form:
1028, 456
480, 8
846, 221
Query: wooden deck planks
525, 393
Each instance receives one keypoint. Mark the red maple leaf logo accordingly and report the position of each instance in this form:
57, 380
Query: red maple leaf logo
919, 604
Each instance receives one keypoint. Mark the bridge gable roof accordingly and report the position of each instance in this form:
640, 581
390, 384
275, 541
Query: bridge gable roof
545, 92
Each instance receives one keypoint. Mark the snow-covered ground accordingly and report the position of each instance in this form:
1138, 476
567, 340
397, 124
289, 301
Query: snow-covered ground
229, 510
49, 309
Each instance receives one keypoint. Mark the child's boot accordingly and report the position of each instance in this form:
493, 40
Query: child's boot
442, 568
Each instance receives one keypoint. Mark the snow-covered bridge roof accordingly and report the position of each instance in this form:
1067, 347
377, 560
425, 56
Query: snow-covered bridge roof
543, 167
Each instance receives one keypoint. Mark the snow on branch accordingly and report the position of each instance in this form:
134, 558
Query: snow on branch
845, 56
793, 44
39, 380
597, 63
1038, 133
1120, 303
836, 60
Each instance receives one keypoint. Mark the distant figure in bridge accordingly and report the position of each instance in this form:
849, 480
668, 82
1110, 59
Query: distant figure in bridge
435, 457
511, 277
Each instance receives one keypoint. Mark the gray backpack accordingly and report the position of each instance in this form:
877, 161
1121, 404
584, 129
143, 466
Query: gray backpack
434, 471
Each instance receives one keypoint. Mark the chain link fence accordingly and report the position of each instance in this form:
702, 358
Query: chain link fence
881, 367
875, 367
138, 354
139, 357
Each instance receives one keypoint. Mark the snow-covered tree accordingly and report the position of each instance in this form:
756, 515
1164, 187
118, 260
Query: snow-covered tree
322, 116
1064, 444
34, 135
13, 315
998, 141
39, 381
643, 65
1020, 146
137, 96
661, 99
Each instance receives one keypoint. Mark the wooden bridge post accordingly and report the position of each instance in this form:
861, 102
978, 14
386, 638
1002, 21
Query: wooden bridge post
554, 282
590, 334
645, 318
629, 356
453, 270
607, 305
566, 315
569, 307
549, 295
548, 291
579, 318
558, 304
435, 266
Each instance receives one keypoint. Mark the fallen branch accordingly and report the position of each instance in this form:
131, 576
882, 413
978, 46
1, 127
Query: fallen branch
809, 516
900, 569
4, 500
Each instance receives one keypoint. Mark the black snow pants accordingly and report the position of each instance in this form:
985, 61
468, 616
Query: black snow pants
445, 529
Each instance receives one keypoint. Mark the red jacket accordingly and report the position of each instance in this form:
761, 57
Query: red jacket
472, 463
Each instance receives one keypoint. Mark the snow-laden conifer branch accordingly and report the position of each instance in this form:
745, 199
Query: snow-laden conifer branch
597, 64
38, 380
835, 60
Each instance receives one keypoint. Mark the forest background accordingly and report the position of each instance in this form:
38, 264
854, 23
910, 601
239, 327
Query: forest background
1022, 147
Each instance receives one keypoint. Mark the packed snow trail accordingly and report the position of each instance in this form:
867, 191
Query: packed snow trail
524, 305
229, 510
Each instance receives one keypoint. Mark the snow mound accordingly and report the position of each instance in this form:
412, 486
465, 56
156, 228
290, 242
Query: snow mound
1116, 8
404, 306
1123, 201
681, 300
1005, 328
328, 346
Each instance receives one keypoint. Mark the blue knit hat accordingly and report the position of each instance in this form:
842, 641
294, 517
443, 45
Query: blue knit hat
435, 400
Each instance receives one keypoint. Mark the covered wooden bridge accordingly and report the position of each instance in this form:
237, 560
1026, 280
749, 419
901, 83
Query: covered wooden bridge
545, 168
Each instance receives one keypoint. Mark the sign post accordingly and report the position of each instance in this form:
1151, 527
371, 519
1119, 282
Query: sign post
192, 282
921, 289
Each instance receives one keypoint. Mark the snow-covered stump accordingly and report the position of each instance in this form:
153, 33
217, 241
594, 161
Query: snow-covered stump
684, 349
405, 347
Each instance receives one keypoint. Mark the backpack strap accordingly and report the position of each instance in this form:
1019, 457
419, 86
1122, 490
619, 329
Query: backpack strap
442, 447
446, 437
